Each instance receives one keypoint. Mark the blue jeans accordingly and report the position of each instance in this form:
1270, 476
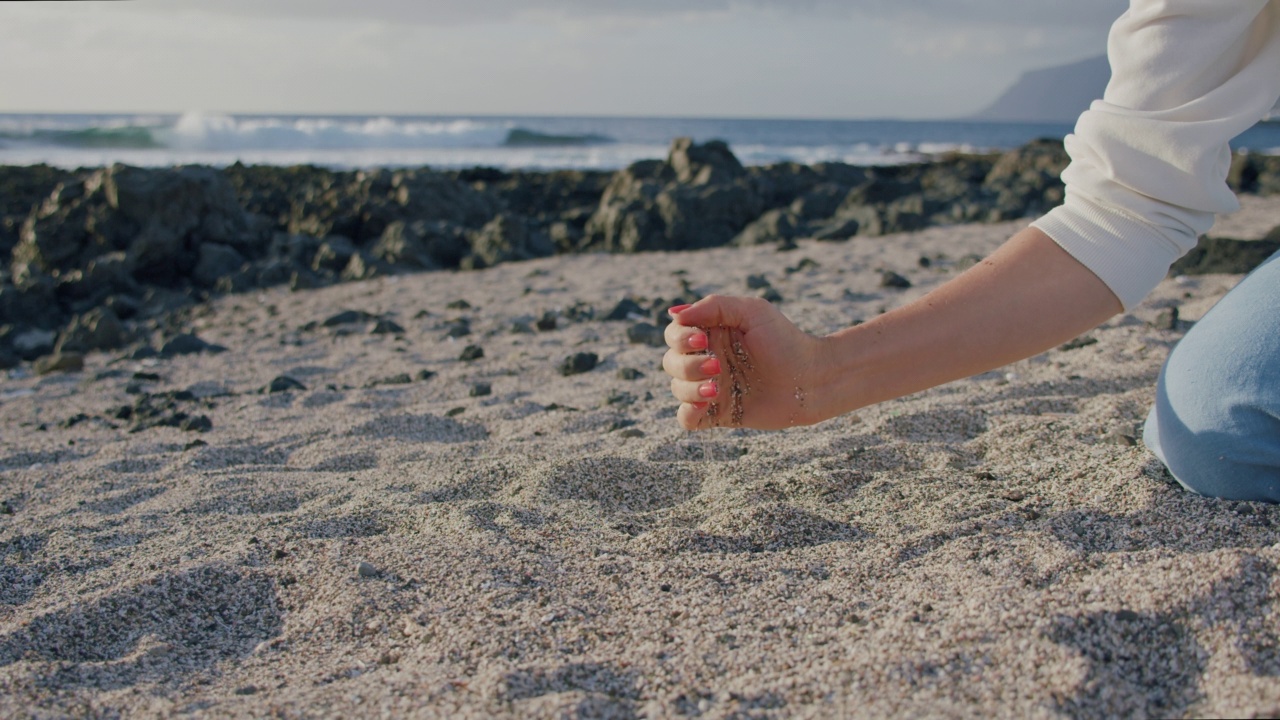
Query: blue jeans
1216, 419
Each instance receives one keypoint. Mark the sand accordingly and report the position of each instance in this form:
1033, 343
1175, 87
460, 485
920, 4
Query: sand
998, 546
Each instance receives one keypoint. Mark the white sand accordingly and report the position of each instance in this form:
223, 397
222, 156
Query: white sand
988, 548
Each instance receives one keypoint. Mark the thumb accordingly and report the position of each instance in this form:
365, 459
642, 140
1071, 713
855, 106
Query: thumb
721, 311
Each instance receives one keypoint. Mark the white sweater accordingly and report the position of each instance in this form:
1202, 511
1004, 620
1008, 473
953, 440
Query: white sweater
1149, 161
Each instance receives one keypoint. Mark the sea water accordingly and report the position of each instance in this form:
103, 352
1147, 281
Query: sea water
535, 143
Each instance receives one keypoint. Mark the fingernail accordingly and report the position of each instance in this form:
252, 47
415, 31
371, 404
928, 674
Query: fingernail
698, 342
710, 367
701, 406
679, 309
708, 390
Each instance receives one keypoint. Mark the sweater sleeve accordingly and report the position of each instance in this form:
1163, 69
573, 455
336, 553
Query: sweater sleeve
1149, 160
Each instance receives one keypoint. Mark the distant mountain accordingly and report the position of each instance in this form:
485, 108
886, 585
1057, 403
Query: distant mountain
1056, 94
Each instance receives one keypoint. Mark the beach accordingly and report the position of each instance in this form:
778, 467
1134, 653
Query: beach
403, 496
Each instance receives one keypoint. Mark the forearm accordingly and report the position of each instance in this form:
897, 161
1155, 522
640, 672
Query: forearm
1027, 297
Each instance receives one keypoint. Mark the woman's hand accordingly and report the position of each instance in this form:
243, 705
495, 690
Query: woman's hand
739, 362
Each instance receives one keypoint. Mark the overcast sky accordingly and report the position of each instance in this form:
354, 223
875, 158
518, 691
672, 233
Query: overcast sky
718, 58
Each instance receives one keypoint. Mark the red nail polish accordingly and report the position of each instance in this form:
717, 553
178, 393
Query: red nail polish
710, 367
698, 342
701, 406
708, 390
679, 309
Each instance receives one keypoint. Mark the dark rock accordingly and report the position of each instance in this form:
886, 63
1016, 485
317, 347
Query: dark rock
455, 412
365, 570
804, 264
1081, 342
387, 327
706, 164
632, 433
471, 353
843, 228
1224, 255
700, 197
775, 226
401, 379
772, 295
622, 399
629, 374
305, 280
459, 328
820, 202
214, 262
481, 389
1166, 319
333, 254
361, 267
547, 322
188, 344
424, 375
890, 279
459, 305
59, 362
347, 317
579, 363
506, 238
624, 310
646, 334
406, 245
31, 344
98, 329
198, 423
8, 360
757, 282
284, 383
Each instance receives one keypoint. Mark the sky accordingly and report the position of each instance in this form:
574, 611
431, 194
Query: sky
853, 59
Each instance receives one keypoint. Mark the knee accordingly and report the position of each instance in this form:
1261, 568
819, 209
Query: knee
1217, 437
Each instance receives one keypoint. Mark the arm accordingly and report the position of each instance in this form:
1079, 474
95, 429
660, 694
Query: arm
1149, 160
1027, 297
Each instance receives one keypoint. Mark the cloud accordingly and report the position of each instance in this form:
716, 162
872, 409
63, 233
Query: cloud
1025, 13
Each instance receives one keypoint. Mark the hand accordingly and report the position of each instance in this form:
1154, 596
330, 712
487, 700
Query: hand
739, 362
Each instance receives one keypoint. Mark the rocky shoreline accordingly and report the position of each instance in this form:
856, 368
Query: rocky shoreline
98, 259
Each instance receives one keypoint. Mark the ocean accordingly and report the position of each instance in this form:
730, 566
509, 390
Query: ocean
533, 143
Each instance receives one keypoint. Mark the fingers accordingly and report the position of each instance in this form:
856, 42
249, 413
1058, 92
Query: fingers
693, 416
685, 339
690, 367
721, 311
696, 391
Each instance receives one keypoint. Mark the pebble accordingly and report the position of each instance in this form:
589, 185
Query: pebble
547, 322
471, 353
59, 362
459, 305
365, 570
188, 344
625, 310
424, 375
628, 373
1080, 342
1166, 319
579, 363
772, 295
890, 279
459, 328
646, 334
284, 383
387, 327
481, 389
347, 317
757, 282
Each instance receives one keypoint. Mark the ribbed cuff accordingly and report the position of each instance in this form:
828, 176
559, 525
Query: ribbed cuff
1127, 254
